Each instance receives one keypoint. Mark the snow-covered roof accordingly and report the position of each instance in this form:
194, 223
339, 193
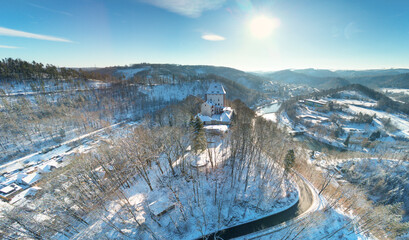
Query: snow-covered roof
46, 168
26, 193
20, 177
2, 179
32, 178
7, 189
161, 206
216, 88
9, 181
204, 118
321, 101
209, 103
225, 117
221, 128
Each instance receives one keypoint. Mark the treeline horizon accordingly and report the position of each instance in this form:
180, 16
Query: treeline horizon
21, 70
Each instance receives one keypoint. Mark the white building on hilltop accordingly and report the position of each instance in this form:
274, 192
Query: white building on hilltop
214, 110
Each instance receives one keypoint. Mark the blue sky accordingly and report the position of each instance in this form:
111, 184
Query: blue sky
332, 34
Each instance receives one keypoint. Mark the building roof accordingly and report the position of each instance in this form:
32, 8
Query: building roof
7, 189
46, 168
323, 102
32, 178
161, 206
209, 103
204, 118
225, 117
216, 88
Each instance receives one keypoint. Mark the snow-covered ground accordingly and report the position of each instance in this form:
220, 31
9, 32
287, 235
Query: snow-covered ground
385, 180
57, 150
271, 116
33, 166
168, 92
130, 72
50, 86
193, 213
334, 127
368, 103
157, 97
330, 224
269, 110
396, 90
399, 121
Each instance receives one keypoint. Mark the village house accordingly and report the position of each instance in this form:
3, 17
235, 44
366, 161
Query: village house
315, 103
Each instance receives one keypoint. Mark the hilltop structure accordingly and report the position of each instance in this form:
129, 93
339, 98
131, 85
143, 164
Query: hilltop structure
214, 110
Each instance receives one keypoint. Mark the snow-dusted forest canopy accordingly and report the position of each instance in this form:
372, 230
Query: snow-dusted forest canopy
114, 153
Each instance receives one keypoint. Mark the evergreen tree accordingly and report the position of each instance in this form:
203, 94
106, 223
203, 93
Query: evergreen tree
346, 142
62, 133
289, 160
198, 138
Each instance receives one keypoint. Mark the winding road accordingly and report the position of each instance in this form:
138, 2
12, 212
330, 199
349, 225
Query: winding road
309, 201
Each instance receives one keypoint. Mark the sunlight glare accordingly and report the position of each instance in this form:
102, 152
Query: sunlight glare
262, 26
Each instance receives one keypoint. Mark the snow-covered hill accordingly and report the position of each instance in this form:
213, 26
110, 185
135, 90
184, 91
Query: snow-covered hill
348, 119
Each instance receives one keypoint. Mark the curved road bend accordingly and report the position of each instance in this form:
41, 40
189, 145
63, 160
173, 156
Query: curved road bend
308, 201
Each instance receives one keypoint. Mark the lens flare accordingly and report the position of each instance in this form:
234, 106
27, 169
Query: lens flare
263, 26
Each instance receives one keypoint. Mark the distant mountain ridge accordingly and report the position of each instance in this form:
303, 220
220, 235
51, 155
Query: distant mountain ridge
318, 78
324, 79
146, 73
174, 72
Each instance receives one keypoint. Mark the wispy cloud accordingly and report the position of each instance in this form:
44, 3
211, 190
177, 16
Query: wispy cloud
189, 8
351, 29
212, 37
9, 47
16, 33
49, 9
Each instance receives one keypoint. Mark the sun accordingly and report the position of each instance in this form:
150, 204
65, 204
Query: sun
263, 26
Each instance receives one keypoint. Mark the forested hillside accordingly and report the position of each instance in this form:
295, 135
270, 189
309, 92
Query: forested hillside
326, 79
12, 70
41, 106
146, 73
